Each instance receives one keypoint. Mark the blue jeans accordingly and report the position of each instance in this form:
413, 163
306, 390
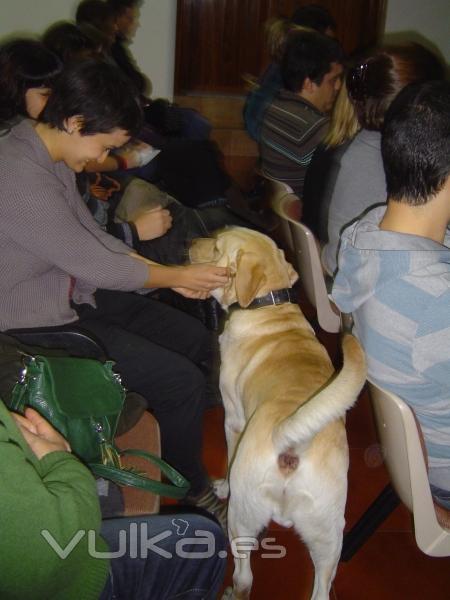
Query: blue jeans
165, 557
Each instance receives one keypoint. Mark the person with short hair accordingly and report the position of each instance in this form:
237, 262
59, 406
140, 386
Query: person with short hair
126, 18
372, 83
277, 31
57, 266
394, 270
297, 120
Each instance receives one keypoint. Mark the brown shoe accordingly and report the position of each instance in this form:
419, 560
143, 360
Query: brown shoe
207, 500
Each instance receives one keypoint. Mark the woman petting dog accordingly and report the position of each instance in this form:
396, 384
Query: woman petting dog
57, 266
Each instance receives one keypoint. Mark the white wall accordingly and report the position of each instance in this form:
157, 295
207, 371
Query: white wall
153, 48
154, 45
431, 18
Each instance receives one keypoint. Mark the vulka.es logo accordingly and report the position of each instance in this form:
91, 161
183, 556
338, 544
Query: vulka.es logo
136, 543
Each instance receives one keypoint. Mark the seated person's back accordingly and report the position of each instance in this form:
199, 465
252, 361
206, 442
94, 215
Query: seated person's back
394, 270
358, 184
296, 121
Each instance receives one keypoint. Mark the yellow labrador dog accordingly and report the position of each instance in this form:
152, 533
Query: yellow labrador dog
284, 408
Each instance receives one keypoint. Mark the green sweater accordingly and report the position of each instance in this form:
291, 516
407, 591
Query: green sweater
58, 494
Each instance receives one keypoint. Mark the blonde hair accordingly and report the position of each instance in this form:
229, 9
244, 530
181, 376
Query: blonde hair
344, 122
276, 31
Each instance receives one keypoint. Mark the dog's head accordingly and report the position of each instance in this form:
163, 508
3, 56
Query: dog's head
257, 266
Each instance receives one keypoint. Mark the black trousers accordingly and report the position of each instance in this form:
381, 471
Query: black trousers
157, 350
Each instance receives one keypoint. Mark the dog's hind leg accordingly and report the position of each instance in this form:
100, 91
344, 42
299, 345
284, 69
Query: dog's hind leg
243, 534
323, 536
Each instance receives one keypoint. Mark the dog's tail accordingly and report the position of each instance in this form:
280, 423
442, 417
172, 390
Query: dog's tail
328, 404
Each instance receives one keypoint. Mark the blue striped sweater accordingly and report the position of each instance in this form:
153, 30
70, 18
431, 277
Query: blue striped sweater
398, 288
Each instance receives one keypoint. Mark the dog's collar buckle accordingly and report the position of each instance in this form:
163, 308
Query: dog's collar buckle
273, 298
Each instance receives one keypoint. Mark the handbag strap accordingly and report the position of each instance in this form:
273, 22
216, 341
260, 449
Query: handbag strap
129, 478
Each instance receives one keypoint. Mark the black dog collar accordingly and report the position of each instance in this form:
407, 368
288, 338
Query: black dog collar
274, 297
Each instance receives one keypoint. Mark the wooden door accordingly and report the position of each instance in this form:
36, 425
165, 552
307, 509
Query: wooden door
220, 40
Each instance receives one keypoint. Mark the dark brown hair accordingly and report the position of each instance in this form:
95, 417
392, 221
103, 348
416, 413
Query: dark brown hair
381, 74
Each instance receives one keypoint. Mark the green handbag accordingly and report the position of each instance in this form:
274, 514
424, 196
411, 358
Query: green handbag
83, 398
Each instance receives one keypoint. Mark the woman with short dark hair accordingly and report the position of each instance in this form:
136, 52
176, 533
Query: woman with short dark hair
57, 266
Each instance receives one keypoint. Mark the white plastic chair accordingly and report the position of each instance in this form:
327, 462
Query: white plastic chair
307, 261
275, 192
400, 438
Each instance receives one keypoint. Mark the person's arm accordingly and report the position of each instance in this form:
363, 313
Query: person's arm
46, 489
61, 231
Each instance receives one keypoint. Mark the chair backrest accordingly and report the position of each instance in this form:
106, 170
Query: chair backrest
404, 457
307, 261
274, 194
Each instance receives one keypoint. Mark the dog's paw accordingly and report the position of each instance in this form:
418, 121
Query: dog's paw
221, 488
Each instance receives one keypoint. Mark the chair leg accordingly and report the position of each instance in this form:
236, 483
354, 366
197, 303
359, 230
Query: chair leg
377, 512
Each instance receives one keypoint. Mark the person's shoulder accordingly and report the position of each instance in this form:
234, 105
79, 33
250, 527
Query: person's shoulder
292, 107
366, 141
24, 158
19, 142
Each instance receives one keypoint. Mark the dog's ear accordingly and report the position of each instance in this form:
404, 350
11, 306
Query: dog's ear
291, 272
249, 277
202, 250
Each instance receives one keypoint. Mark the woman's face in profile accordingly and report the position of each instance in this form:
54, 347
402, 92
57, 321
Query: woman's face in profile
78, 149
35, 100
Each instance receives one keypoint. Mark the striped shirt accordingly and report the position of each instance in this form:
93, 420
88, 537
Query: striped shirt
292, 128
398, 288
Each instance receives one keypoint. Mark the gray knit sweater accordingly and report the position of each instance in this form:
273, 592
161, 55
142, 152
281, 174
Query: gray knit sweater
49, 241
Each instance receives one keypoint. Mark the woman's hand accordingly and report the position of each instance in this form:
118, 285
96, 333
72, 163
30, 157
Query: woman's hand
202, 278
193, 281
39, 434
153, 223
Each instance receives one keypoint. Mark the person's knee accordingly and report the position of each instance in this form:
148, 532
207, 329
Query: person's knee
201, 525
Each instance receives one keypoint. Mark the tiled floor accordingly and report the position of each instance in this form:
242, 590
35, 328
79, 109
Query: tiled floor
389, 566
